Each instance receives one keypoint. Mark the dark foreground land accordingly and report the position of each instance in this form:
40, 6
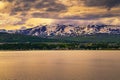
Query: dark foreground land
87, 42
59, 46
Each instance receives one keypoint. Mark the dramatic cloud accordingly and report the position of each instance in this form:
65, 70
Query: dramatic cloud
44, 15
33, 12
28, 5
92, 16
50, 5
103, 3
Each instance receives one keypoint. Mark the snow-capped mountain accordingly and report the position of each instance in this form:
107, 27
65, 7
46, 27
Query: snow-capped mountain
68, 30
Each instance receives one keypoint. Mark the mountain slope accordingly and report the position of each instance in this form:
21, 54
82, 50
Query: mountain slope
69, 30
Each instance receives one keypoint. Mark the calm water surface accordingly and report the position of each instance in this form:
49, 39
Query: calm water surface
59, 65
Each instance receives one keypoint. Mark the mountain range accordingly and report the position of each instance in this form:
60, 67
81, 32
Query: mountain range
66, 30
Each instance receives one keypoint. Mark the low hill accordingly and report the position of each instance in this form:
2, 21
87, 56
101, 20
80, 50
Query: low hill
96, 38
9, 38
91, 42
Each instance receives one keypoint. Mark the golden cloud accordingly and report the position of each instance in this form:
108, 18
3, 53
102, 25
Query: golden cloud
18, 13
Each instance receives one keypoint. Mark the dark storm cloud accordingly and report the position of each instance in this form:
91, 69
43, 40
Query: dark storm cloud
21, 0
44, 15
51, 5
37, 14
92, 16
97, 16
103, 3
26, 5
24, 14
22, 5
10, 0
56, 8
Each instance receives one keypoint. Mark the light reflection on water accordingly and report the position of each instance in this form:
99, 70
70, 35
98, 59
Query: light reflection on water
59, 65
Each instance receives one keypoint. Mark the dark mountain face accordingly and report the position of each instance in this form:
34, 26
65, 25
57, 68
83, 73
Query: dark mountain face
43, 29
60, 28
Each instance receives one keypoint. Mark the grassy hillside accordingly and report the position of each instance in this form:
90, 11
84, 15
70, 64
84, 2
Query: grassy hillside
91, 42
5, 37
96, 38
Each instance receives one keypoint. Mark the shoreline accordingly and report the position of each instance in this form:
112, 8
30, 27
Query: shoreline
50, 50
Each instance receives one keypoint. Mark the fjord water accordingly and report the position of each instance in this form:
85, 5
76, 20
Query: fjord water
59, 65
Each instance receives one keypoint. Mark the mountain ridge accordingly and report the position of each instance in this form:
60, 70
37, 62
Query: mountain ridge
66, 30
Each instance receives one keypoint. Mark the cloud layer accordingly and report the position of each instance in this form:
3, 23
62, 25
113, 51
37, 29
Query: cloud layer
20, 12
103, 3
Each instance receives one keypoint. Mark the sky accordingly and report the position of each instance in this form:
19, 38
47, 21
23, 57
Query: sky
15, 14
